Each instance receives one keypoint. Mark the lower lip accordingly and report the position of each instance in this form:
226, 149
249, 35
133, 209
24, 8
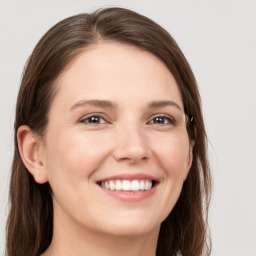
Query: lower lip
130, 196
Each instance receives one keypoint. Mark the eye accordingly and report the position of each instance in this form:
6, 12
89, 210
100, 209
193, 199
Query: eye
93, 119
162, 120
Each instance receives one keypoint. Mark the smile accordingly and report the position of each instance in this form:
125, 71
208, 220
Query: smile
127, 185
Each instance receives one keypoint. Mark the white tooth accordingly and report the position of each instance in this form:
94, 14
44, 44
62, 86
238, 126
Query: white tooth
126, 185
111, 185
148, 185
135, 186
142, 185
106, 185
118, 185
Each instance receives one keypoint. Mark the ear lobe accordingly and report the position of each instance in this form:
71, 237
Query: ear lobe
30, 148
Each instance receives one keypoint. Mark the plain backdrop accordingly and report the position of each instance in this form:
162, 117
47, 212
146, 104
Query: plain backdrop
218, 37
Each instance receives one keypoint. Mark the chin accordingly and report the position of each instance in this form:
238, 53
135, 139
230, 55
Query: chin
132, 227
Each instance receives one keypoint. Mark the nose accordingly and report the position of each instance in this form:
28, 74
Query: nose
131, 145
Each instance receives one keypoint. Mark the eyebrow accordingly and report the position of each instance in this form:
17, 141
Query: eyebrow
95, 103
109, 104
164, 103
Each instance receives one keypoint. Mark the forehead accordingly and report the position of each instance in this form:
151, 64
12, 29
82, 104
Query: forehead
117, 71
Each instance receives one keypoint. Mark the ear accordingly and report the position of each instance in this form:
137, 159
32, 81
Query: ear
31, 152
189, 159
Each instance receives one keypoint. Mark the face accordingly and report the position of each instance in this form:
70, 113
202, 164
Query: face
116, 150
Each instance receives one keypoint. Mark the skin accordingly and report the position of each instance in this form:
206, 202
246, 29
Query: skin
75, 153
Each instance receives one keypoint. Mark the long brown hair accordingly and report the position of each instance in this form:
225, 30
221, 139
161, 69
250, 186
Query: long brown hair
30, 222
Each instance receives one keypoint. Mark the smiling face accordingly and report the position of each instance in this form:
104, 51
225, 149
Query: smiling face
116, 150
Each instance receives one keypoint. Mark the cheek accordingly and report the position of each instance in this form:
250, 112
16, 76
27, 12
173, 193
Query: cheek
74, 155
172, 151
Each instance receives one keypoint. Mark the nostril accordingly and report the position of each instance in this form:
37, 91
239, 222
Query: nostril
131, 150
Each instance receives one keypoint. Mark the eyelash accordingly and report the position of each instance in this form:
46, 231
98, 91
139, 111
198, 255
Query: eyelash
85, 119
170, 120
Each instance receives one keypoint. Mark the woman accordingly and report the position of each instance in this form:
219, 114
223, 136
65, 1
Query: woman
110, 146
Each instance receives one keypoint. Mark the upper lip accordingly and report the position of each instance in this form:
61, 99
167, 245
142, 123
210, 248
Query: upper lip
130, 176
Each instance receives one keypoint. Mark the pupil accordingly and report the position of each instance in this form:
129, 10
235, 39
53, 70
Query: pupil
94, 119
159, 120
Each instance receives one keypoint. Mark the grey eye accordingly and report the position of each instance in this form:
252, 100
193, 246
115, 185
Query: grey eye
94, 119
161, 120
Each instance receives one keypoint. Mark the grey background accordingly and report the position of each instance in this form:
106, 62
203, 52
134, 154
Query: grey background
218, 37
